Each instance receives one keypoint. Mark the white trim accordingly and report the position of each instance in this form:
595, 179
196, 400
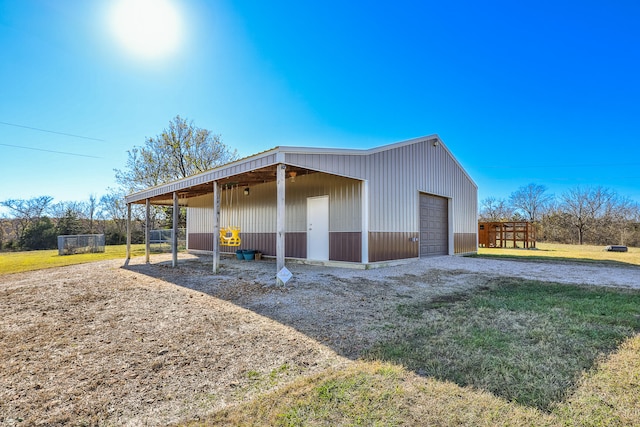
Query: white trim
365, 221
450, 226
322, 245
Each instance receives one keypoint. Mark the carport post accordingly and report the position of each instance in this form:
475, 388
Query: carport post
280, 215
174, 239
147, 231
216, 227
128, 231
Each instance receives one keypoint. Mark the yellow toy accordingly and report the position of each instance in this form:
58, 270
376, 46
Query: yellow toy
230, 235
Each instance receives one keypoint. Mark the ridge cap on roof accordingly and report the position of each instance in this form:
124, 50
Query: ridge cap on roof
293, 148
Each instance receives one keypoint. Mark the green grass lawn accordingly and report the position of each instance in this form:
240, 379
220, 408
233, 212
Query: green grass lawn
561, 252
15, 262
524, 341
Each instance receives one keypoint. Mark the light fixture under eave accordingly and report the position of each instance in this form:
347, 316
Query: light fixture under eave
293, 174
246, 191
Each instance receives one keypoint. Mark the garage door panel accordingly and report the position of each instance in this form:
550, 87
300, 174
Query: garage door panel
434, 225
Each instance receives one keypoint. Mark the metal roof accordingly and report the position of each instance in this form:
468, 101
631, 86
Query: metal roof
257, 168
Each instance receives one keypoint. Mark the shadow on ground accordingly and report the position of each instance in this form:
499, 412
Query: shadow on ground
348, 310
401, 314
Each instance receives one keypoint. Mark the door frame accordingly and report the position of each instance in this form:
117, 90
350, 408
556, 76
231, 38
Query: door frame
310, 243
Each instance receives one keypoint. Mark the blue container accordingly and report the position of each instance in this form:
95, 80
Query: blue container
249, 255
239, 254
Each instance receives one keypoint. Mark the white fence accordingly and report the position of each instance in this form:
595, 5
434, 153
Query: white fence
80, 244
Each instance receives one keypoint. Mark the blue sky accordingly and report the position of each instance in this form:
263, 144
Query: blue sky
545, 92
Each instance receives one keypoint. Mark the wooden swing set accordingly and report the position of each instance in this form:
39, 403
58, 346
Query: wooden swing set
230, 235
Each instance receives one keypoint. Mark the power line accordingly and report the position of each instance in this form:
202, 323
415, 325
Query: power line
51, 151
52, 131
561, 166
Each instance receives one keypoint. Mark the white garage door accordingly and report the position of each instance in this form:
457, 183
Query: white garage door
434, 225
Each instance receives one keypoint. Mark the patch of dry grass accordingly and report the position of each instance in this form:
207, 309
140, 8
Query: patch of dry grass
380, 394
610, 394
383, 394
562, 252
95, 344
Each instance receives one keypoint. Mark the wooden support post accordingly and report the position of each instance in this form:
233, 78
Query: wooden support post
532, 234
216, 227
128, 231
280, 216
147, 231
174, 238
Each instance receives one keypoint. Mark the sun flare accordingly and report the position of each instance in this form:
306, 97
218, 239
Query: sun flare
147, 28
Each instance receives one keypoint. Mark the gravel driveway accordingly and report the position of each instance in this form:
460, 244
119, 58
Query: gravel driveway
552, 271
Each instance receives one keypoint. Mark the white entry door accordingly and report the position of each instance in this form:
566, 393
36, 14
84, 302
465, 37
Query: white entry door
318, 228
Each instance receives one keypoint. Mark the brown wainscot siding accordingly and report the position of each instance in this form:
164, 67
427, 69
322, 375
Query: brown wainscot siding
464, 243
385, 246
295, 243
263, 242
345, 246
201, 241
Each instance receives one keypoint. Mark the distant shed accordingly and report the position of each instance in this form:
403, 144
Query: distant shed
508, 234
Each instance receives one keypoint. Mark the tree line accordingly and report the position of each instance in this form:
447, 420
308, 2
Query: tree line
180, 150
37, 222
580, 215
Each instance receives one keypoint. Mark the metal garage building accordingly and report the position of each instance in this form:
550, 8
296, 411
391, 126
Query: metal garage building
400, 201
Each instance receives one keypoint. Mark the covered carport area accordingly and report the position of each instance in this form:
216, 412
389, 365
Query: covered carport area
268, 168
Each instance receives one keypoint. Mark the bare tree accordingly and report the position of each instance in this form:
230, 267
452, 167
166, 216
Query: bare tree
584, 207
618, 221
26, 212
179, 151
91, 210
531, 200
494, 210
60, 209
113, 212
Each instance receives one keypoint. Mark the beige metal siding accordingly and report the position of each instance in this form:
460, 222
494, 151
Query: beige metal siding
352, 166
200, 214
396, 175
256, 213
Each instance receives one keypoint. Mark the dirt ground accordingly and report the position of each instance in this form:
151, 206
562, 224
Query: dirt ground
107, 344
